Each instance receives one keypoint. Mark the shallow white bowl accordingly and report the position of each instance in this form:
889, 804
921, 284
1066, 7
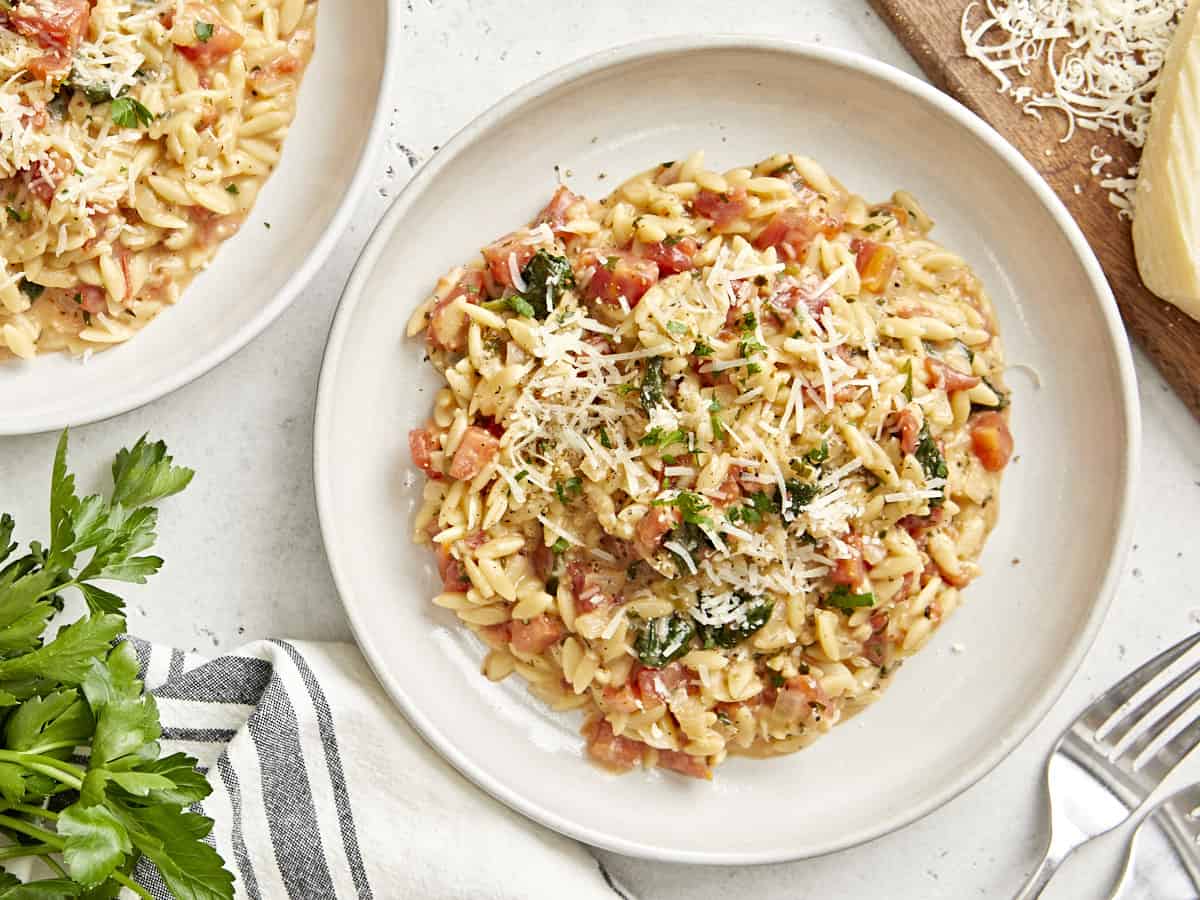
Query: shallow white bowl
949, 717
309, 202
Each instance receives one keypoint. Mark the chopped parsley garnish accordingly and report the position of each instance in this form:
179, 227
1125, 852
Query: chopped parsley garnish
718, 424
690, 504
843, 599
817, 455
908, 380
760, 504
749, 344
784, 169
777, 680
756, 612
560, 546
931, 460
871, 226
652, 384
522, 475
702, 349
676, 328
610, 262
605, 440
18, 215
671, 240
799, 494
31, 289
568, 490
232, 188
658, 437
664, 640
547, 276
204, 31
129, 113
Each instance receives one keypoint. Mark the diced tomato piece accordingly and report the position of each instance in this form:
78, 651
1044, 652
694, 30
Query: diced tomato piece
655, 686
799, 693
729, 489
654, 526
555, 212
918, 525
594, 586
621, 274
671, 258
875, 263
448, 323
537, 635
474, 452
55, 25
684, 764
45, 176
947, 377
497, 636
849, 572
904, 423
991, 440
219, 45
92, 299
790, 296
454, 576
722, 209
611, 750
421, 443
497, 254
790, 231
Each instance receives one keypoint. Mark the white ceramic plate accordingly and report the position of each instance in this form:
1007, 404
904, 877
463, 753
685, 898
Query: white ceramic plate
949, 717
308, 202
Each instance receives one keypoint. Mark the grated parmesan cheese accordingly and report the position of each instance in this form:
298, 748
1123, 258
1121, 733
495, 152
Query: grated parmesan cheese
1101, 58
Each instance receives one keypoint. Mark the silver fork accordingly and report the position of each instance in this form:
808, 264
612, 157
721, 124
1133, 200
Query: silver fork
1178, 818
1111, 758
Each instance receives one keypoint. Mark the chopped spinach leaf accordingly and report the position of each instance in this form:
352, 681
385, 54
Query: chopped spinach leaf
547, 277
652, 384
31, 289
843, 599
756, 612
663, 640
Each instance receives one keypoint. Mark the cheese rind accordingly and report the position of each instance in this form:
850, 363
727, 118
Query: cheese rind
1166, 220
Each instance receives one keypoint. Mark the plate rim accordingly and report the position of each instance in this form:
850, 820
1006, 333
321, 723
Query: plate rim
283, 298
922, 91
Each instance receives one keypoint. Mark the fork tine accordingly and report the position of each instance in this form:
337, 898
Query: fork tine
1172, 753
1110, 707
1181, 724
1146, 714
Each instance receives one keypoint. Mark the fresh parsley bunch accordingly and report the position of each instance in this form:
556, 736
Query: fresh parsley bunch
82, 783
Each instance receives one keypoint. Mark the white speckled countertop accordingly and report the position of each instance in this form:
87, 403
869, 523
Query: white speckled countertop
244, 557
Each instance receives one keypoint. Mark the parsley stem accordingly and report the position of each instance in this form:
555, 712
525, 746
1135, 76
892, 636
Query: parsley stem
40, 811
71, 776
126, 881
33, 831
17, 851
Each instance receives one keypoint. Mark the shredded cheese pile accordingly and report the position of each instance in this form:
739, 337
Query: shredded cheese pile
1102, 58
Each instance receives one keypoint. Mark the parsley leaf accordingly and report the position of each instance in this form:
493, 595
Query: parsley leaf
18, 215
129, 113
677, 328
204, 31
817, 455
908, 380
702, 349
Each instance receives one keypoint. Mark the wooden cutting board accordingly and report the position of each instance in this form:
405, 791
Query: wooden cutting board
930, 30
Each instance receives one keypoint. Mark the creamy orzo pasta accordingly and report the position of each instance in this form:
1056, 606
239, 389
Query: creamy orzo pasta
714, 454
135, 136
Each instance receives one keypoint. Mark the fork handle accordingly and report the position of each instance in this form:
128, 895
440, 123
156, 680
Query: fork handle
1041, 876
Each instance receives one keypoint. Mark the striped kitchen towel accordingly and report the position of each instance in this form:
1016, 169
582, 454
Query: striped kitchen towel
321, 790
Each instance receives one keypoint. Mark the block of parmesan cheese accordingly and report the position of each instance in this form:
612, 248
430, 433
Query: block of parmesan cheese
1166, 218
